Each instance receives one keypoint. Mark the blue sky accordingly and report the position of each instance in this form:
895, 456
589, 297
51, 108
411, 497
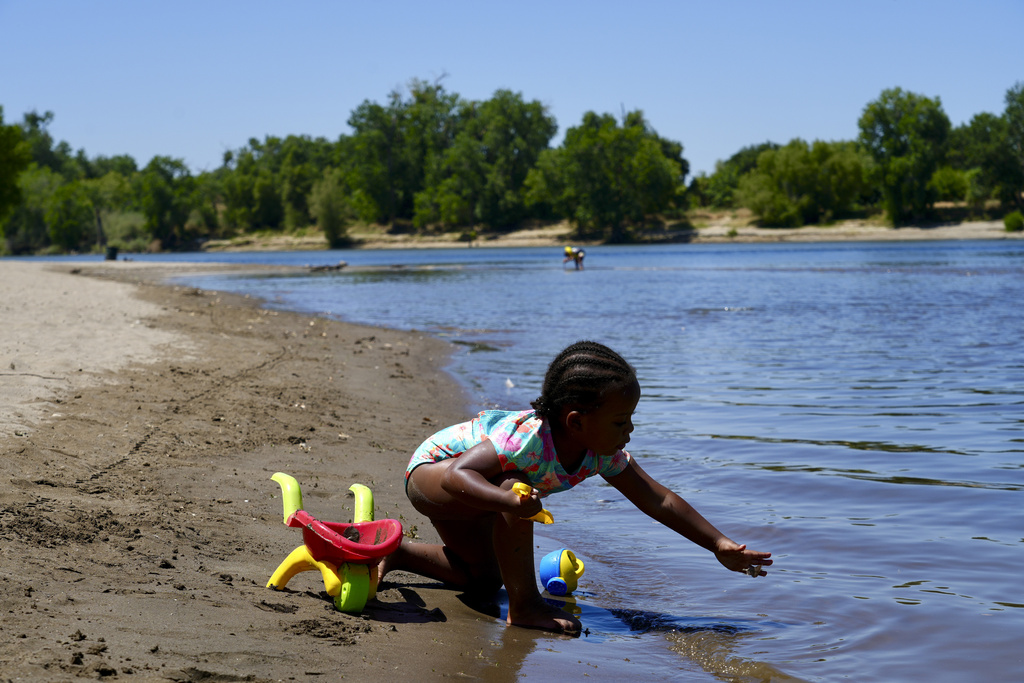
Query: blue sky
193, 79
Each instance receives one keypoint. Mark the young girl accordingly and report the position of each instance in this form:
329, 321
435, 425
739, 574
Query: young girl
461, 478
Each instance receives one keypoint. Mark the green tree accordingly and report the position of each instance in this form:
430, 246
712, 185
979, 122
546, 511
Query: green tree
780, 189
379, 168
265, 184
251, 188
719, 189
268, 209
454, 187
119, 220
481, 175
513, 133
15, 156
238, 181
69, 217
297, 177
164, 188
26, 230
906, 135
58, 156
122, 164
802, 184
1014, 116
604, 177
982, 150
328, 205
393, 147
51, 191
207, 203
950, 184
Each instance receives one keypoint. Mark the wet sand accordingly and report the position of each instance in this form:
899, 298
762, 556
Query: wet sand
138, 523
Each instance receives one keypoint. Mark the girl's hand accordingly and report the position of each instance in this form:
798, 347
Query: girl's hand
526, 505
738, 559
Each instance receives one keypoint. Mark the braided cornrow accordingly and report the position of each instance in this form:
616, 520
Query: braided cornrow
579, 375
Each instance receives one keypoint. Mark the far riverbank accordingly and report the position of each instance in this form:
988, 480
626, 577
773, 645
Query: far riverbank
719, 227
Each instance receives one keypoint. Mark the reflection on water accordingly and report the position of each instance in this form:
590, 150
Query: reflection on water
714, 652
856, 409
855, 445
627, 644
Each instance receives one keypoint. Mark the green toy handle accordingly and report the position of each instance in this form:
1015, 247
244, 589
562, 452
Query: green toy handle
363, 511
291, 494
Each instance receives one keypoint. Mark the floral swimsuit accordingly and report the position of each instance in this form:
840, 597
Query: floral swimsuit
523, 442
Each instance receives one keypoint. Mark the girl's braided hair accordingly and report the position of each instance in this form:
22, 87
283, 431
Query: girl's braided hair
578, 376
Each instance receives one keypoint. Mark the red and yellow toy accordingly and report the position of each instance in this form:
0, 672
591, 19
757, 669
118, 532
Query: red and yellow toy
345, 554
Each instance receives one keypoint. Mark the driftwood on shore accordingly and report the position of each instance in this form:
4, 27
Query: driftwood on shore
324, 269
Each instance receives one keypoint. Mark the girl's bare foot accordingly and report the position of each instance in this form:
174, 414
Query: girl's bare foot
541, 615
383, 567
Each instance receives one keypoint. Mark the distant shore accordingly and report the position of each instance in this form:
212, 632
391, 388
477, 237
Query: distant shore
713, 228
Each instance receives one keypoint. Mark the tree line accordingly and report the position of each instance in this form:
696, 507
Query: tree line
427, 160
906, 158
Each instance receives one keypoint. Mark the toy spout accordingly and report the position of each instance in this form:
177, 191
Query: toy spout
291, 494
524, 491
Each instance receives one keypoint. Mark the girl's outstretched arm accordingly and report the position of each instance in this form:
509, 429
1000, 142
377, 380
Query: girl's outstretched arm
666, 507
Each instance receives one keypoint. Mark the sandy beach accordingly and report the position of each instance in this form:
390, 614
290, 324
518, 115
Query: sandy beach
138, 523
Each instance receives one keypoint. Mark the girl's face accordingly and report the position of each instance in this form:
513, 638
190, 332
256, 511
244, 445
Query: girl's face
607, 428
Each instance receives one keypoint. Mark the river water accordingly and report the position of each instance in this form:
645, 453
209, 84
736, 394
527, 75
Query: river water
856, 409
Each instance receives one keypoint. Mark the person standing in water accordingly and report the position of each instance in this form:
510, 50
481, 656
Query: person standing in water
575, 255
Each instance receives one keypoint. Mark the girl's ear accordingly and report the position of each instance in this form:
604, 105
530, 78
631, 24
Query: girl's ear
573, 421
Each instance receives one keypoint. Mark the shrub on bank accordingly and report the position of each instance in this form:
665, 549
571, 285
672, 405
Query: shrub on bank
1014, 221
